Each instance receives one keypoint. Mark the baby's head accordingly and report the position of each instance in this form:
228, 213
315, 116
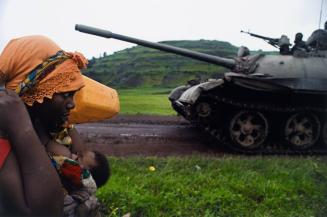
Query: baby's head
97, 164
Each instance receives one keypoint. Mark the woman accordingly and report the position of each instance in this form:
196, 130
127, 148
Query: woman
40, 81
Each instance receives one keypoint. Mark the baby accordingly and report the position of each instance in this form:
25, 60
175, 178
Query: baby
81, 174
86, 169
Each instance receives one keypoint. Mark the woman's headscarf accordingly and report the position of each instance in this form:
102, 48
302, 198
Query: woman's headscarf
36, 67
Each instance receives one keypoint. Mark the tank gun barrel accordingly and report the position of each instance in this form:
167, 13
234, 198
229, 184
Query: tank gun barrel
228, 63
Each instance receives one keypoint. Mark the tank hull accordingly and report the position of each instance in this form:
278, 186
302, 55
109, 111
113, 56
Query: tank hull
256, 117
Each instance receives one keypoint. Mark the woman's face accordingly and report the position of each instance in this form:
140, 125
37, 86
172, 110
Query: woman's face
53, 113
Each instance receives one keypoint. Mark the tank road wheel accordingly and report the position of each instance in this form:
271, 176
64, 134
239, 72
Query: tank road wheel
203, 109
302, 130
248, 129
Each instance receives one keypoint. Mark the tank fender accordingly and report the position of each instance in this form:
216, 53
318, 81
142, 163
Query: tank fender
176, 93
191, 95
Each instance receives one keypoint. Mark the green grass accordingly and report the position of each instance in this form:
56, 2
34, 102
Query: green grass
145, 101
222, 186
229, 186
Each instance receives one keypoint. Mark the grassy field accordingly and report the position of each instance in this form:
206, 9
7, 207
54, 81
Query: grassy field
225, 186
145, 101
228, 186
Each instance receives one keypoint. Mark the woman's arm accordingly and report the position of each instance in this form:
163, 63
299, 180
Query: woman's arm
32, 187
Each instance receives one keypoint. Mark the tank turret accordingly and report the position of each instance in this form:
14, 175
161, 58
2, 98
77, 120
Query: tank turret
266, 104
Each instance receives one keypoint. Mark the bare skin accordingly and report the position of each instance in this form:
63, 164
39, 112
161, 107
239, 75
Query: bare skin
85, 158
29, 184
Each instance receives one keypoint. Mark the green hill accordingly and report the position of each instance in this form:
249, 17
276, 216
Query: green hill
144, 67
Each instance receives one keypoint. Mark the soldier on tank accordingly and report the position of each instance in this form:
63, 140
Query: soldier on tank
243, 51
284, 45
318, 39
299, 44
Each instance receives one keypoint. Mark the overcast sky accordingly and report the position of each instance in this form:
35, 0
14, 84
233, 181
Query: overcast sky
158, 20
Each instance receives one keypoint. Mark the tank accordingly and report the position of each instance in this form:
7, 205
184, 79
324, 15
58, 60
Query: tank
265, 104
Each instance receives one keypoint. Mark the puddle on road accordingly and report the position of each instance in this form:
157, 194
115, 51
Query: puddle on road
139, 135
125, 135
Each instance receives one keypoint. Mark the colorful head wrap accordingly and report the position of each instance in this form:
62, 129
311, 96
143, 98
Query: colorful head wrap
36, 67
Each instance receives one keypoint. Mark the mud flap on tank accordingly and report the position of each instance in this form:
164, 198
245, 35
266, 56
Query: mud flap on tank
191, 95
176, 93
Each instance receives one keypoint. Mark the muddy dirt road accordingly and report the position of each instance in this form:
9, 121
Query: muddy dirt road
146, 135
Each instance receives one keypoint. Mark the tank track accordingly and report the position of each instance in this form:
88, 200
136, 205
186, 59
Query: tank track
271, 147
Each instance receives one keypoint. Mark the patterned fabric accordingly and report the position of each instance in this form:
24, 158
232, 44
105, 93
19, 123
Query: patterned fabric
63, 137
81, 201
40, 72
28, 60
88, 182
73, 175
81, 204
70, 170
69, 206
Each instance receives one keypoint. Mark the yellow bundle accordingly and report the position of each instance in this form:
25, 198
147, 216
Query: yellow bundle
94, 102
